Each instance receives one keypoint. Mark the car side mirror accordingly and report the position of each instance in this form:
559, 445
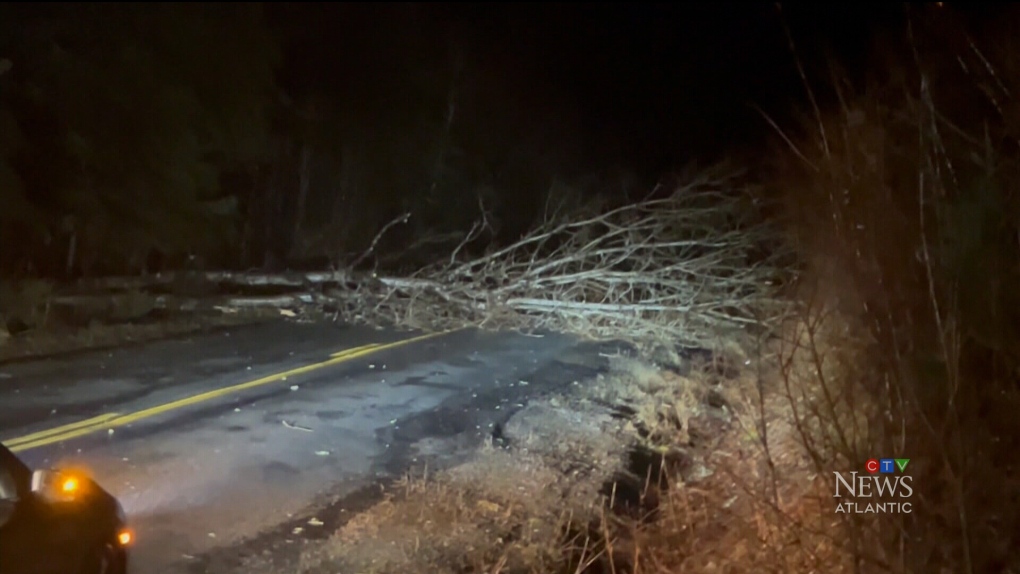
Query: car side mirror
55, 486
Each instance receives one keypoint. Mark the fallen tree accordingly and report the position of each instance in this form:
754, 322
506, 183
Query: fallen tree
677, 266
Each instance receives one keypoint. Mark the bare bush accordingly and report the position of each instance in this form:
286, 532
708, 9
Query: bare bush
907, 346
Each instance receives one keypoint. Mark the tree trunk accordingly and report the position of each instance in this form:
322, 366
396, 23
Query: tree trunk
72, 253
344, 204
275, 224
304, 182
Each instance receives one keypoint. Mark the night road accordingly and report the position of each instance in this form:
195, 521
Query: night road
222, 436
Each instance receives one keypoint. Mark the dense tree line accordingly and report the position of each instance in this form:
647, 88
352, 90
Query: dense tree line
148, 137
117, 125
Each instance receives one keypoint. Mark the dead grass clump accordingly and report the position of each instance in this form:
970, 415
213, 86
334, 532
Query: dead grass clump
663, 403
500, 513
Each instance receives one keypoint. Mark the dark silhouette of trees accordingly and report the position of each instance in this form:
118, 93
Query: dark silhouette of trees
118, 124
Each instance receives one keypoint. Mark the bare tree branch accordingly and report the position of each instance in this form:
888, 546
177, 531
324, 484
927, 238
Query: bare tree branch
402, 218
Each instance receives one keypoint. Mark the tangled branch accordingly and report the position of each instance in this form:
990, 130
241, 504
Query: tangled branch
675, 267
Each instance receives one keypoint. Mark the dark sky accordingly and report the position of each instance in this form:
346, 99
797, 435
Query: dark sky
659, 83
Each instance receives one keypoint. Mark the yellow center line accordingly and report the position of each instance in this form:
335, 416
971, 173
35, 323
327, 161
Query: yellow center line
94, 421
113, 420
346, 352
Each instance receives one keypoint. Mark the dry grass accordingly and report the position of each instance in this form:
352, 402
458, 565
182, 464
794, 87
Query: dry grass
749, 500
663, 401
733, 521
502, 512
902, 204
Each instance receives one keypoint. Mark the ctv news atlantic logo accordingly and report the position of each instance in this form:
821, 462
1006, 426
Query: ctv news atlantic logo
883, 488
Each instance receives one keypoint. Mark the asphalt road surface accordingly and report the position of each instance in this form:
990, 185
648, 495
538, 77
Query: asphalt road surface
216, 438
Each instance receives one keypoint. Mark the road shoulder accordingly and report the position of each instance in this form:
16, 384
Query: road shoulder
529, 493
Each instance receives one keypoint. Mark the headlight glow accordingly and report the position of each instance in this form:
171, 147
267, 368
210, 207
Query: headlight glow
70, 484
